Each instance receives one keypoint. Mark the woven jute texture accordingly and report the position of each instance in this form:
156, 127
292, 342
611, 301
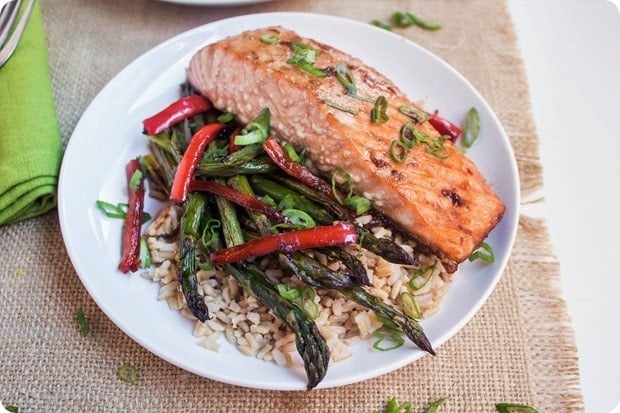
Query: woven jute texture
518, 348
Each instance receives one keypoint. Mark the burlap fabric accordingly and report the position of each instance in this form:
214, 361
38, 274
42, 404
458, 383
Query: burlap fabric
518, 348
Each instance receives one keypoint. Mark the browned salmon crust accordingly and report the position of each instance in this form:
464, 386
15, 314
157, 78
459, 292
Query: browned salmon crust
445, 203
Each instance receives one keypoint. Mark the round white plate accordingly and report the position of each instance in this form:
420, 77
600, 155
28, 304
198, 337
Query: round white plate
109, 134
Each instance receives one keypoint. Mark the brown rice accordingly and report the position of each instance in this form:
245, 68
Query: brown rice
254, 330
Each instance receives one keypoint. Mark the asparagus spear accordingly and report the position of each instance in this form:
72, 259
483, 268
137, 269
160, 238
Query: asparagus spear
305, 267
259, 165
410, 326
186, 267
310, 344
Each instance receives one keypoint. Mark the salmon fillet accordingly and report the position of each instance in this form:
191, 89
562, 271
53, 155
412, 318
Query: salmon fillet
444, 202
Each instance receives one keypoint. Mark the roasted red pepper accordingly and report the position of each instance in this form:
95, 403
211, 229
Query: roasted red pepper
288, 242
445, 127
294, 169
177, 111
130, 260
238, 198
191, 158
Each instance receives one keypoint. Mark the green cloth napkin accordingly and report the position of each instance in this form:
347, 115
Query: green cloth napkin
30, 146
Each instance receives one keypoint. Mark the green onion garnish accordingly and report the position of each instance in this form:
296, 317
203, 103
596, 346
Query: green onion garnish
226, 117
304, 57
406, 19
288, 292
421, 273
484, 253
414, 113
432, 408
291, 152
256, 131
82, 323
12, 409
346, 79
340, 107
210, 232
399, 151
381, 24
393, 338
127, 373
118, 211
379, 112
514, 408
299, 218
358, 203
135, 180
110, 210
471, 127
270, 38
410, 307
144, 254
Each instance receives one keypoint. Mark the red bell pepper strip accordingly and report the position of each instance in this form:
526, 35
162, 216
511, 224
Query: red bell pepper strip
445, 127
191, 158
238, 198
130, 260
294, 169
288, 242
176, 112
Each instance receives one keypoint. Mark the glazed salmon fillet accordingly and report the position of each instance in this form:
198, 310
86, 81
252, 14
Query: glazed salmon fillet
441, 199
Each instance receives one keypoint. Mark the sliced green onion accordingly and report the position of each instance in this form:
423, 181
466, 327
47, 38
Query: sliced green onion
287, 202
299, 218
226, 117
290, 151
135, 179
483, 253
379, 112
407, 135
12, 409
402, 19
360, 204
514, 408
381, 24
288, 292
144, 254
406, 19
82, 323
398, 151
256, 131
471, 127
118, 211
414, 113
346, 79
304, 57
210, 232
340, 107
432, 408
410, 307
421, 273
127, 373
266, 199
270, 38
110, 210
393, 338
308, 304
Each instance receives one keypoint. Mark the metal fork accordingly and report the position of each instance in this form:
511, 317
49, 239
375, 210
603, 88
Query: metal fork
9, 31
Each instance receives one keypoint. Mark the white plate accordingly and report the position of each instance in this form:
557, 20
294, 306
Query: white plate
109, 134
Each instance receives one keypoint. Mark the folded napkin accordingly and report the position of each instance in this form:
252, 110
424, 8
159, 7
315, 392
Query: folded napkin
30, 146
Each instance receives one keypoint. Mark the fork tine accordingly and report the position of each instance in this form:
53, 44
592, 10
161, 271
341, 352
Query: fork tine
7, 17
9, 47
